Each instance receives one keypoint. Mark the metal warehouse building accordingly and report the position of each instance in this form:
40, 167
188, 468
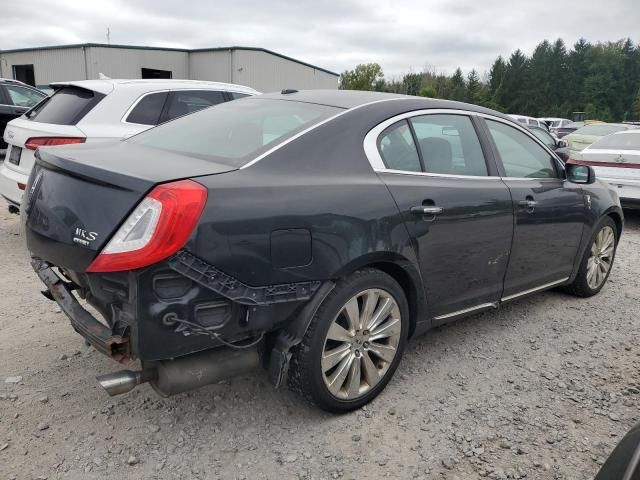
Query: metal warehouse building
259, 68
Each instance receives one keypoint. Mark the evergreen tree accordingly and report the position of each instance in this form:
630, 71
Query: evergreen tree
458, 88
474, 88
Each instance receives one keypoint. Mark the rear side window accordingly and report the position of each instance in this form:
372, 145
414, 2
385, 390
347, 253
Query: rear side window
23, 97
67, 106
186, 102
521, 156
397, 148
234, 133
449, 145
147, 111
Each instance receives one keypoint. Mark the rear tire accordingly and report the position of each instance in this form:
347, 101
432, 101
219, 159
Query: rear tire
597, 260
354, 343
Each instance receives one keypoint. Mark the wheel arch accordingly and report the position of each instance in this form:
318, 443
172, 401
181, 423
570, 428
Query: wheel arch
617, 218
403, 271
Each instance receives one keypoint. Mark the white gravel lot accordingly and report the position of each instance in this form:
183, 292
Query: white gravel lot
542, 388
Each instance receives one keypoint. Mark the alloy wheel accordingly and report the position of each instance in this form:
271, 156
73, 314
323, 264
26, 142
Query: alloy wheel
601, 258
361, 344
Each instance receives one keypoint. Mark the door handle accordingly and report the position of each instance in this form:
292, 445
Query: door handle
428, 210
529, 204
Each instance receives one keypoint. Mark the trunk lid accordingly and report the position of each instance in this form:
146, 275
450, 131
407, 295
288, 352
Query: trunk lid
78, 196
21, 129
612, 164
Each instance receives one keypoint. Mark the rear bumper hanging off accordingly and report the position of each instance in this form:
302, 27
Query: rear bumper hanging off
97, 334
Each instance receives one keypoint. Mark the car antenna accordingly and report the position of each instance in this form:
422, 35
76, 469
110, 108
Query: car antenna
287, 91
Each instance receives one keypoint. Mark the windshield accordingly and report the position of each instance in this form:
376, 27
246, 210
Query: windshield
623, 141
235, 133
599, 130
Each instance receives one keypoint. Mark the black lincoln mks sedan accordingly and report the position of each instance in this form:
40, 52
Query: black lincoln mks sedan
311, 233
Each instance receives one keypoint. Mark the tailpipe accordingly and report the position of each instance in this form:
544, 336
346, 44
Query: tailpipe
124, 381
169, 377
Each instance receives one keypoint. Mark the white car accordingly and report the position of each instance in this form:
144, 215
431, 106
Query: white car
616, 160
100, 110
529, 121
555, 123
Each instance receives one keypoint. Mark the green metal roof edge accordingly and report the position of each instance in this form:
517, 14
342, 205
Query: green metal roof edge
186, 50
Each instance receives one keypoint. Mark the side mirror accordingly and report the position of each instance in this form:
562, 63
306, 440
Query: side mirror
562, 144
580, 173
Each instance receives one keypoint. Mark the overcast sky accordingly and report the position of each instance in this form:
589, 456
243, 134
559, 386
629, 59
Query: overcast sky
403, 36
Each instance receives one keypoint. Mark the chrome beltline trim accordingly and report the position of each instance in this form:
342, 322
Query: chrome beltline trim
467, 310
533, 290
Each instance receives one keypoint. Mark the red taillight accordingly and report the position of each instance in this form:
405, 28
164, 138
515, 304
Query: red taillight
35, 142
22, 186
158, 227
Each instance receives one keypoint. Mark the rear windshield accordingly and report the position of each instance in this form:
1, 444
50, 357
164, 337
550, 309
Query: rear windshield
66, 106
623, 141
234, 133
599, 130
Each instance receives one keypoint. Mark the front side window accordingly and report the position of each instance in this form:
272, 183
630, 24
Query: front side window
521, 156
147, 111
234, 133
544, 137
23, 97
449, 145
189, 101
397, 148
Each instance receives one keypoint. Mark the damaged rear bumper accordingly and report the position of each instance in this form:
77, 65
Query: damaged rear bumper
101, 337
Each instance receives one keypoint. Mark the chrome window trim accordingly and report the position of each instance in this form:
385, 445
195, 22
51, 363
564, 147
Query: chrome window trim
317, 125
168, 90
467, 310
370, 143
533, 290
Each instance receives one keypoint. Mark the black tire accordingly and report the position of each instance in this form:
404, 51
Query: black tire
305, 374
580, 286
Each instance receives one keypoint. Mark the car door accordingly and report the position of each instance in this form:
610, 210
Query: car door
549, 211
6, 115
456, 208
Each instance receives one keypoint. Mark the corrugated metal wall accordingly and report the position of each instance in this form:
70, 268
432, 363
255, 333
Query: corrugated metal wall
128, 62
51, 65
266, 72
258, 69
211, 65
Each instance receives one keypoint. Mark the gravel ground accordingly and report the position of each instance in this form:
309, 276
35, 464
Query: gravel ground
542, 388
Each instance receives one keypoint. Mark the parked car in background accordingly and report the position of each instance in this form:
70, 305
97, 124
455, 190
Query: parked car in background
392, 215
558, 146
565, 130
616, 160
15, 99
529, 121
555, 123
99, 110
585, 136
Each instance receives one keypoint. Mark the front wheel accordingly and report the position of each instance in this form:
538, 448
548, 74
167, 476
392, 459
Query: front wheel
597, 261
353, 344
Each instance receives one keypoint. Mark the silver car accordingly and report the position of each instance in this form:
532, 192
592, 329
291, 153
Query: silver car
616, 160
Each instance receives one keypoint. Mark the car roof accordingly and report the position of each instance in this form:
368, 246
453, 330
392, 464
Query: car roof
106, 86
349, 99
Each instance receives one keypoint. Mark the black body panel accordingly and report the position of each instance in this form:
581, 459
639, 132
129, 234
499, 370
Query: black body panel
313, 210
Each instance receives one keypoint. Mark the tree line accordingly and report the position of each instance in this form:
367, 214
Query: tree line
601, 79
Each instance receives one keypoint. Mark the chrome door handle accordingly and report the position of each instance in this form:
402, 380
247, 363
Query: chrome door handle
421, 210
529, 205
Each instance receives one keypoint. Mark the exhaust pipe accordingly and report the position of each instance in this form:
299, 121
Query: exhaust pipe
169, 377
124, 381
